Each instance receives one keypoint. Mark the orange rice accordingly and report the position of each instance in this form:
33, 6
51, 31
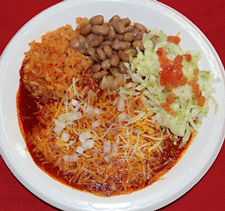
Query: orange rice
50, 65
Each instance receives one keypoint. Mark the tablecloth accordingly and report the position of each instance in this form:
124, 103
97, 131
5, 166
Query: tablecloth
209, 17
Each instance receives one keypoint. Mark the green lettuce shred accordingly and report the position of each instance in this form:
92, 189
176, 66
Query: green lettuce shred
144, 72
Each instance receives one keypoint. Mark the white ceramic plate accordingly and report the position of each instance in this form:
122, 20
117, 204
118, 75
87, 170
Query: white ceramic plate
189, 170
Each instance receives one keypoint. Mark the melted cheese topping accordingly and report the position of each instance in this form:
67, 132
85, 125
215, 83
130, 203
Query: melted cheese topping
102, 138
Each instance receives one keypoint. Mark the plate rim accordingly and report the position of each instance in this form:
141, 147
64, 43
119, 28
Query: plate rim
6, 157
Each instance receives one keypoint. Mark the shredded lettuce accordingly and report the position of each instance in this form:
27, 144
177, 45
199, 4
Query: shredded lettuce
144, 71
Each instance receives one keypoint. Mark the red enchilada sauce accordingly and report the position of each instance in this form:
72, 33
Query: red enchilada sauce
28, 112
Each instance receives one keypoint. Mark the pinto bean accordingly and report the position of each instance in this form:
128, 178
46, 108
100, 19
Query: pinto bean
75, 43
122, 68
138, 43
107, 42
114, 19
139, 35
94, 57
140, 27
108, 51
119, 37
92, 53
91, 37
100, 29
111, 34
97, 20
106, 82
114, 60
118, 82
119, 27
135, 31
99, 75
96, 67
123, 56
80, 44
105, 64
96, 41
128, 37
86, 29
129, 28
133, 52
125, 21
121, 45
101, 54
115, 71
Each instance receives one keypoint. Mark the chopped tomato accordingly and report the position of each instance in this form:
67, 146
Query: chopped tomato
193, 81
178, 59
173, 79
201, 101
163, 60
178, 66
172, 75
163, 78
178, 62
169, 87
196, 72
167, 108
173, 113
183, 80
188, 57
195, 89
179, 74
170, 98
168, 67
174, 39
161, 51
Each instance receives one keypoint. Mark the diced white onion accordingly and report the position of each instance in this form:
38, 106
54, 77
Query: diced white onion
69, 123
72, 116
91, 110
106, 146
75, 116
62, 117
97, 111
85, 135
108, 158
74, 102
121, 104
88, 144
114, 149
70, 158
123, 117
65, 137
80, 149
88, 109
58, 123
96, 123
58, 129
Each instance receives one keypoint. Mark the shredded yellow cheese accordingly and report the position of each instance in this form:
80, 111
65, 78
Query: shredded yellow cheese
134, 140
